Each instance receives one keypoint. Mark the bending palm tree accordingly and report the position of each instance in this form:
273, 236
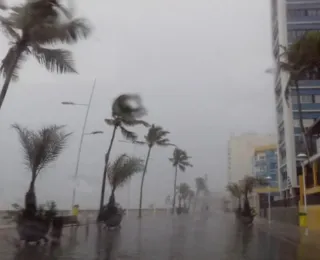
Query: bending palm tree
248, 183
235, 190
303, 61
120, 171
179, 160
124, 113
31, 27
156, 136
40, 149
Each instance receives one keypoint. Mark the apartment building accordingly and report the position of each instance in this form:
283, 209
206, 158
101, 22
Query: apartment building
291, 19
240, 151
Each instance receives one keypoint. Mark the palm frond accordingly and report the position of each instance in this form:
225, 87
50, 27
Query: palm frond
249, 182
8, 29
134, 122
234, 189
180, 158
69, 32
156, 135
57, 60
122, 169
128, 107
140, 142
41, 147
3, 5
110, 122
13, 58
182, 167
131, 136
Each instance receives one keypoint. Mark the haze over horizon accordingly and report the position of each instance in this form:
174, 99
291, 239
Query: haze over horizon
199, 67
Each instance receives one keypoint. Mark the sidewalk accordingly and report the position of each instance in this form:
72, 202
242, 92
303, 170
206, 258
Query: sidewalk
288, 232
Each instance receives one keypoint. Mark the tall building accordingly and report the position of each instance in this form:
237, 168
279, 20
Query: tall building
240, 151
264, 164
291, 19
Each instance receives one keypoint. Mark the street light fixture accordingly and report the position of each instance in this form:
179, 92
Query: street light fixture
73, 104
88, 105
301, 157
94, 133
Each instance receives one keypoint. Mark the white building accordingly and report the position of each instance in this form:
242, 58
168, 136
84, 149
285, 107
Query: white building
291, 19
240, 153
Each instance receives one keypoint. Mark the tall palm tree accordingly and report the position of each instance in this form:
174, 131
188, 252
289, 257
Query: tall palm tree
120, 171
179, 160
235, 190
31, 27
302, 62
156, 137
40, 148
201, 186
126, 111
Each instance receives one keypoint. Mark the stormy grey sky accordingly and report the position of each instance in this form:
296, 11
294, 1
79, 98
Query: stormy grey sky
199, 66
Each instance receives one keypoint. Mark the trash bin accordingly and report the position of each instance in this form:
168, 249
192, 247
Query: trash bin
302, 219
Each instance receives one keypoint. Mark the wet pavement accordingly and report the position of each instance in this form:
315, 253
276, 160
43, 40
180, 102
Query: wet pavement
162, 237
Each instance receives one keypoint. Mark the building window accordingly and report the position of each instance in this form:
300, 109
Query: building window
261, 156
303, 99
316, 98
306, 122
273, 166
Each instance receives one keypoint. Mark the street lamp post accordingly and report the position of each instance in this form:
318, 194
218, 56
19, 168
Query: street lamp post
301, 158
268, 178
88, 105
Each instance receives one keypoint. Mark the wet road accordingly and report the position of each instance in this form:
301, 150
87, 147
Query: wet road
161, 237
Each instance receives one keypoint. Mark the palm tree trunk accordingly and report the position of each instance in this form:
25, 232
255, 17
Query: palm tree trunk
142, 181
112, 200
5, 86
174, 191
195, 201
303, 130
104, 178
30, 197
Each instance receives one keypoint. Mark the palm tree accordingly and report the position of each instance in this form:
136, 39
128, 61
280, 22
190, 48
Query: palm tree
302, 62
201, 186
31, 27
235, 190
126, 109
156, 136
183, 190
120, 171
247, 185
179, 160
40, 148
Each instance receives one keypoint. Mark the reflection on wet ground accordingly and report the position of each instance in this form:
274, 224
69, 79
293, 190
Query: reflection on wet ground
161, 237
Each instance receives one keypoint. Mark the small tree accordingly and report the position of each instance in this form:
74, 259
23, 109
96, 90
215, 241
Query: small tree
183, 190
191, 196
247, 185
156, 137
179, 160
120, 171
31, 27
40, 149
235, 190
126, 109
201, 186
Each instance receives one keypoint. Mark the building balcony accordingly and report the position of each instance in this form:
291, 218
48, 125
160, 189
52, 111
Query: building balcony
306, 107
